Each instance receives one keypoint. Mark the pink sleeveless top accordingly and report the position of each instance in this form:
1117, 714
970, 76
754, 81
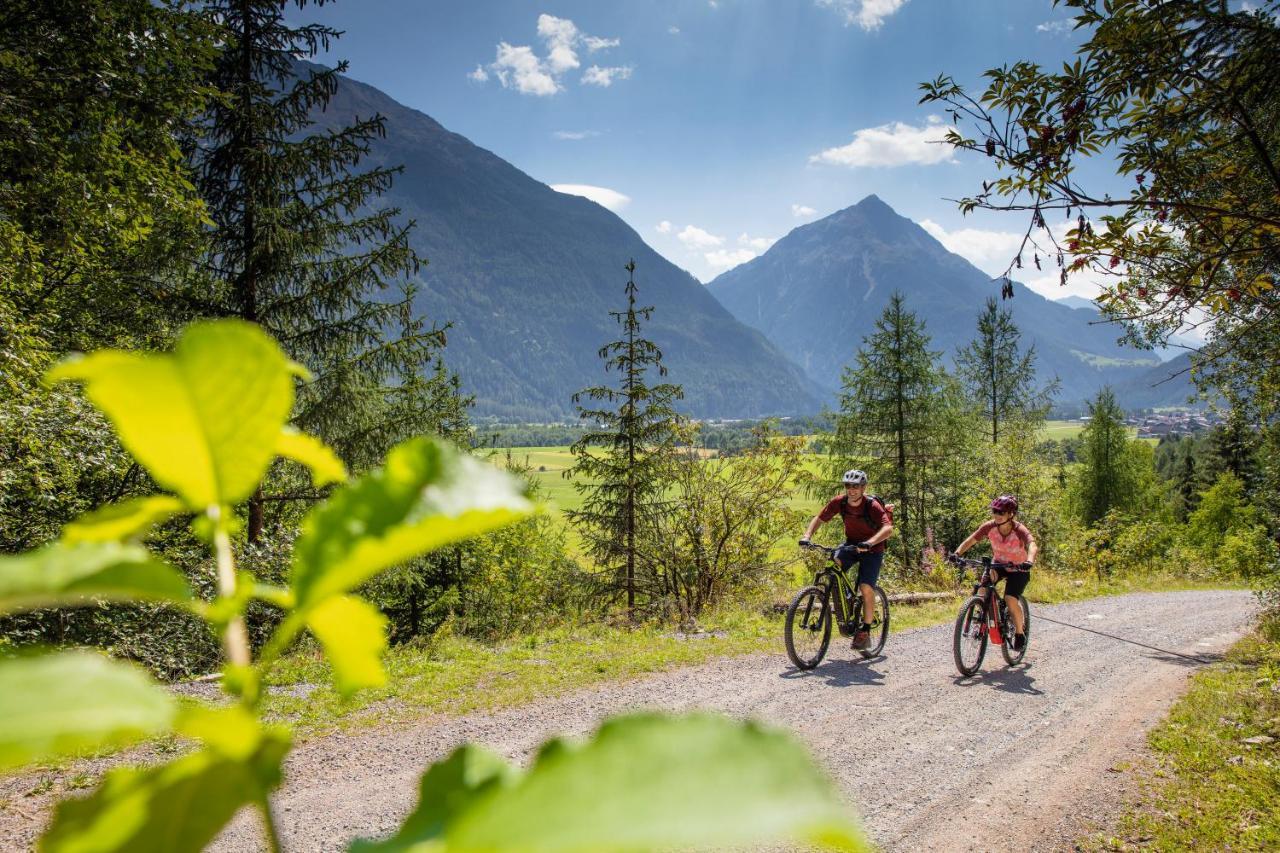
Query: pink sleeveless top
1010, 549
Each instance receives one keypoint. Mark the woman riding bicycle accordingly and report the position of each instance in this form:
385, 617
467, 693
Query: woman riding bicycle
1012, 544
867, 524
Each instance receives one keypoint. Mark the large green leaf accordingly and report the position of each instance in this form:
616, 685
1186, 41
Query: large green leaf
129, 519
60, 704
448, 789
310, 451
204, 420
427, 495
644, 782
354, 636
175, 807
63, 575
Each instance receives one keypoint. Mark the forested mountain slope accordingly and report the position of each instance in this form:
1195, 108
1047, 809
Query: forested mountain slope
819, 290
527, 276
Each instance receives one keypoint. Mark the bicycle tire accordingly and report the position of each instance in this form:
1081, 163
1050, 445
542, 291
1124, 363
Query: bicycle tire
1011, 657
803, 607
970, 636
880, 633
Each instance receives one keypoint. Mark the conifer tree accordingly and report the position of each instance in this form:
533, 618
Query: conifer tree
1105, 475
887, 418
301, 247
998, 375
623, 463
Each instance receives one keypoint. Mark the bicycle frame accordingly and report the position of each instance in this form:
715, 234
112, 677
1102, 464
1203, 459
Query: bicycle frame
996, 606
847, 601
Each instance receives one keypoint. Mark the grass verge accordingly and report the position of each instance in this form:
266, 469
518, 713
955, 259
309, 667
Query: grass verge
1215, 784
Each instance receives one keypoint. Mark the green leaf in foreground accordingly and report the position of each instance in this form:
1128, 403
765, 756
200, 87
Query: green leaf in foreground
54, 705
644, 782
173, 808
129, 519
205, 420
65, 575
426, 496
354, 636
310, 451
447, 789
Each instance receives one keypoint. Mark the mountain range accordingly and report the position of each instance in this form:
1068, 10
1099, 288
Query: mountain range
817, 293
527, 276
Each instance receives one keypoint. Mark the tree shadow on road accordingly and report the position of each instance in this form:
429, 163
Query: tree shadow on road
1016, 680
1198, 659
843, 673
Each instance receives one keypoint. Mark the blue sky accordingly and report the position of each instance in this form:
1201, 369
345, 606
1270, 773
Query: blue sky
713, 127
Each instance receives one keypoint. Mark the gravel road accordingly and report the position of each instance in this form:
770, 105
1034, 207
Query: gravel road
1023, 758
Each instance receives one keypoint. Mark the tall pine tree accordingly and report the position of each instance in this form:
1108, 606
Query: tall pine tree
623, 463
1105, 478
300, 246
998, 375
887, 419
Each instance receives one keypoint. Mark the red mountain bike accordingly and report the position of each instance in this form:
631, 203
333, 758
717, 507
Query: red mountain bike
985, 618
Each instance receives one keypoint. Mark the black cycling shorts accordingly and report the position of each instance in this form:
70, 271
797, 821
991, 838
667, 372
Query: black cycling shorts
1015, 581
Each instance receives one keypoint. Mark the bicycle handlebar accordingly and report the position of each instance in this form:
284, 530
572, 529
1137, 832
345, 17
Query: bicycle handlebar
988, 563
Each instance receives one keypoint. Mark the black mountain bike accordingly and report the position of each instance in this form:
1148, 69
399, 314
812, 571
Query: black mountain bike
985, 618
831, 597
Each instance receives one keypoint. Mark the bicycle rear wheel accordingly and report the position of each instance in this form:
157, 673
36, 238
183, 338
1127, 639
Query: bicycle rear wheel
808, 628
1012, 657
879, 625
970, 641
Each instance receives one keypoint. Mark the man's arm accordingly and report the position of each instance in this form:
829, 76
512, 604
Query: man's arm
882, 534
813, 527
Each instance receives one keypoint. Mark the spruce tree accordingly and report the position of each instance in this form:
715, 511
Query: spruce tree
1105, 476
887, 418
999, 376
301, 247
623, 463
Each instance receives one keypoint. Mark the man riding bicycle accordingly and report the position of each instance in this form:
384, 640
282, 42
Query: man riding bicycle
1012, 544
867, 523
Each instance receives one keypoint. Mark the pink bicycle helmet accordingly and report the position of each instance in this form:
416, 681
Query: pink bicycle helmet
1005, 503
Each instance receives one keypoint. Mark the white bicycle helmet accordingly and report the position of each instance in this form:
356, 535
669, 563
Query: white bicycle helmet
854, 477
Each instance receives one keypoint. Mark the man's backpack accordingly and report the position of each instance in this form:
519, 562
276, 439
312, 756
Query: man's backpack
866, 508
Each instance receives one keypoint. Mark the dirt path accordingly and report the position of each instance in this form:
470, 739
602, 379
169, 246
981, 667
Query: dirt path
1019, 758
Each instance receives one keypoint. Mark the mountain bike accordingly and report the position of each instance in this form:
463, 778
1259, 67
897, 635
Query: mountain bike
830, 598
984, 618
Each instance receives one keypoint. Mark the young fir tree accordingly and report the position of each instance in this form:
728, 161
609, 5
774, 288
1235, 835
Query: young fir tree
623, 463
1105, 478
301, 247
887, 419
999, 376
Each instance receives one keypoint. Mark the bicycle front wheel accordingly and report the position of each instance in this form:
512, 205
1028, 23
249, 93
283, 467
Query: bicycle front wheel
1012, 657
970, 641
808, 627
879, 626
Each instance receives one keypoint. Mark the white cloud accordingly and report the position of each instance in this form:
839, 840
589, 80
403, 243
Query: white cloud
674, 30
593, 44
519, 67
575, 134
989, 251
725, 259
663, 227
760, 244
604, 77
560, 34
802, 211
603, 196
695, 238
1060, 27
868, 14
894, 144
